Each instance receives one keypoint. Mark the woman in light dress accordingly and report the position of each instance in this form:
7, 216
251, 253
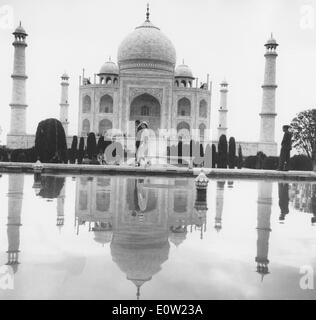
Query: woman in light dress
147, 147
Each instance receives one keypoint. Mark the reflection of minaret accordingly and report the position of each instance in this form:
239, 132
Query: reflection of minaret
15, 195
219, 204
60, 208
263, 226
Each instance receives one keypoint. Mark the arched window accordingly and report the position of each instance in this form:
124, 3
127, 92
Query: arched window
203, 109
183, 83
86, 104
202, 128
85, 126
108, 80
184, 107
106, 104
103, 200
180, 201
104, 126
115, 81
177, 83
183, 129
145, 111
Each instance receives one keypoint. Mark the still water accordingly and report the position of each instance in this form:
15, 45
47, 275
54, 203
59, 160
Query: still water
121, 237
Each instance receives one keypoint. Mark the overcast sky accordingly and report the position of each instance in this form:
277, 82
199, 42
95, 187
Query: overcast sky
224, 38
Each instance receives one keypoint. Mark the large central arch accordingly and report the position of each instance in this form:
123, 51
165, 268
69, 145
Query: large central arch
147, 108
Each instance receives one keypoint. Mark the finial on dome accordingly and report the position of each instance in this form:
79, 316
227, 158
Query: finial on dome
182, 61
147, 13
109, 58
20, 23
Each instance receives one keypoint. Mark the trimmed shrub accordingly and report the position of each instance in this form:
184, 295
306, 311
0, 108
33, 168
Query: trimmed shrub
222, 152
101, 145
73, 150
250, 162
271, 163
214, 156
81, 150
24, 155
50, 141
91, 146
231, 153
301, 163
260, 158
240, 158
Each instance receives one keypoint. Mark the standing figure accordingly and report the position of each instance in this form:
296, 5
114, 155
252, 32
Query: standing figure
283, 200
286, 147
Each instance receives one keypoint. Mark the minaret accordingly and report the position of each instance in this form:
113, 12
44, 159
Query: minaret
219, 204
267, 127
263, 226
222, 111
15, 197
18, 103
64, 105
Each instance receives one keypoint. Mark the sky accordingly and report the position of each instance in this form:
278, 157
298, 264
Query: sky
224, 38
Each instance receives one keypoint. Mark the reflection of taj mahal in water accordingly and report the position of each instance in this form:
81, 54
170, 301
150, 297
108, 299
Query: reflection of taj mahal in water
137, 217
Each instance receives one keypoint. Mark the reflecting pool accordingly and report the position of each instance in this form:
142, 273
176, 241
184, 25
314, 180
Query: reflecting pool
127, 237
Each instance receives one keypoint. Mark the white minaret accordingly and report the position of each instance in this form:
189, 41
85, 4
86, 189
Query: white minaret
222, 111
267, 127
64, 105
16, 136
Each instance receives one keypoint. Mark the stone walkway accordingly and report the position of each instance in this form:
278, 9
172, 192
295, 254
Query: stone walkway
162, 170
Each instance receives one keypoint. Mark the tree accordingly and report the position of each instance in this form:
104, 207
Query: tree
101, 145
222, 152
231, 153
73, 149
214, 156
81, 150
303, 130
240, 158
91, 146
50, 141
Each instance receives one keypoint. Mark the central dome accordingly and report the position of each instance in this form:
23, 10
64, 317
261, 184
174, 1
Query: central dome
146, 48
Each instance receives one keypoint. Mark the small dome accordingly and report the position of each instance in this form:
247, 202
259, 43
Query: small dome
183, 71
271, 41
65, 76
109, 67
19, 30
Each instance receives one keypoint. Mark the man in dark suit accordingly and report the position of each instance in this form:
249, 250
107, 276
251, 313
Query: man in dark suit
286, 147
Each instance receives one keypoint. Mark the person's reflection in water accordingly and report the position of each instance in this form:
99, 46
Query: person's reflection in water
283, 200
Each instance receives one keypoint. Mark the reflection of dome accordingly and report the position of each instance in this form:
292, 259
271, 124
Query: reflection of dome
183, 71
109, 67
141, 261
147, 47
102, 237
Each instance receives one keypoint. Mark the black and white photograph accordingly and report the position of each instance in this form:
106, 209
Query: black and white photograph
157, 151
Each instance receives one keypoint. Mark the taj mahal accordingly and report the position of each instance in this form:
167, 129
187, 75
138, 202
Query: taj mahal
145, 85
